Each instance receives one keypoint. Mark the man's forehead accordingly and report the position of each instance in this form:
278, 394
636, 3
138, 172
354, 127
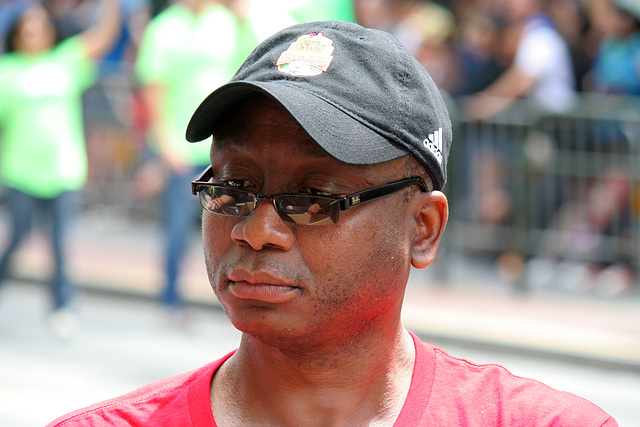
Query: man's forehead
259, 117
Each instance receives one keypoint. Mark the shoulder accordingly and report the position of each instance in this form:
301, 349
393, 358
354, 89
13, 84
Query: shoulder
468, 389
167, 399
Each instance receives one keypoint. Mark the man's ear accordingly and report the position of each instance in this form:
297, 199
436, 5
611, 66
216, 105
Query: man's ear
431, 218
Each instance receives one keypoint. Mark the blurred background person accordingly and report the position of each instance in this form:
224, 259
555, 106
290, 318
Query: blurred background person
572, 22
575, 246
541, 72
43, 160
372, 13
542, 69
186, 51
616, 67
478, 50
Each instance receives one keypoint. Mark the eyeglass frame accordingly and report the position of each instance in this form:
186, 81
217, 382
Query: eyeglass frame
345, 201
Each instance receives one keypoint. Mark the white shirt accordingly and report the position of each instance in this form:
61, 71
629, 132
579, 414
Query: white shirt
543, 54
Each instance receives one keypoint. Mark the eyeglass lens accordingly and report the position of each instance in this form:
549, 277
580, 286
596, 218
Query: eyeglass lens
301, 209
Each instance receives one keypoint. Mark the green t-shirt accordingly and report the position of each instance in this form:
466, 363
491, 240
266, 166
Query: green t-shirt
42, 147
190, 56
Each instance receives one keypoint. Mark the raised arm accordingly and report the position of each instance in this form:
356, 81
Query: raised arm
100, 36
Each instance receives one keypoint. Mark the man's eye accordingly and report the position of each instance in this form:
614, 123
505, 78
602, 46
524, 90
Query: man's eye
315, 192
238, 183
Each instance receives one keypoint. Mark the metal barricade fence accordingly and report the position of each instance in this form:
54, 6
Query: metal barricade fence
549, 190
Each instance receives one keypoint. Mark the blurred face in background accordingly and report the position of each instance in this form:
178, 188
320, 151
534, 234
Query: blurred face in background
373, 13
35, 32
519, 10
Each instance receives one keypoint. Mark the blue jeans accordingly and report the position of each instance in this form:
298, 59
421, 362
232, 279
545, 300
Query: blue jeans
181, 212
59, 212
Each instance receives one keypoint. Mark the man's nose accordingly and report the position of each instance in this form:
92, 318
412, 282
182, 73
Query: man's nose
264, 228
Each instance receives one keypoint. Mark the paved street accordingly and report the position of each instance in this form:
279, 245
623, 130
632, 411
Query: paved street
121, 345
125, 343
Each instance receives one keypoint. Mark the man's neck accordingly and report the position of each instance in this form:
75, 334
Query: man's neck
365, 384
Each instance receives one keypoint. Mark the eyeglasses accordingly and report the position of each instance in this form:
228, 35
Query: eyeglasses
307, 209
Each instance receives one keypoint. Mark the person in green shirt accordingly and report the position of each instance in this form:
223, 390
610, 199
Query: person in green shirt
43, 162
187, 50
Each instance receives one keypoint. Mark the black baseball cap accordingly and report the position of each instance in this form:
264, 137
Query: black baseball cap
356, 92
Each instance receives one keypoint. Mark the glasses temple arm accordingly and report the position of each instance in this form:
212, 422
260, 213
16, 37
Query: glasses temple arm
380, 191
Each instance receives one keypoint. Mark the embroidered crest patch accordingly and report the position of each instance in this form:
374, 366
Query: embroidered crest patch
309, 55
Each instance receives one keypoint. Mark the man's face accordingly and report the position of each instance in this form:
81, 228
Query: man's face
282, 282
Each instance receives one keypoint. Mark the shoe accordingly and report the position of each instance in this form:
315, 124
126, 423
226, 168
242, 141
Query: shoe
63, 323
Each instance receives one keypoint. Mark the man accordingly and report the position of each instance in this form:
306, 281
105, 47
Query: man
329, 153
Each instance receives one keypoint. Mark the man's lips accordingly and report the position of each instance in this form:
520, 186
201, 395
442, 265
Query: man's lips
260, 286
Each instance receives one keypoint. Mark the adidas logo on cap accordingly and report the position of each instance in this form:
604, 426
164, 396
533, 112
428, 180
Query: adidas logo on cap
433, 143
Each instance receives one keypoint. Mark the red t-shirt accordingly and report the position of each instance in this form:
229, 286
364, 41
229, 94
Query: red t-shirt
445, 391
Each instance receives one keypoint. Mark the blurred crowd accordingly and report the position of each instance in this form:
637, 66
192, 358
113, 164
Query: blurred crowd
468, 47
465, 44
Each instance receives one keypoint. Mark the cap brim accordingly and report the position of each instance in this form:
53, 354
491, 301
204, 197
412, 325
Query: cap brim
337, 132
